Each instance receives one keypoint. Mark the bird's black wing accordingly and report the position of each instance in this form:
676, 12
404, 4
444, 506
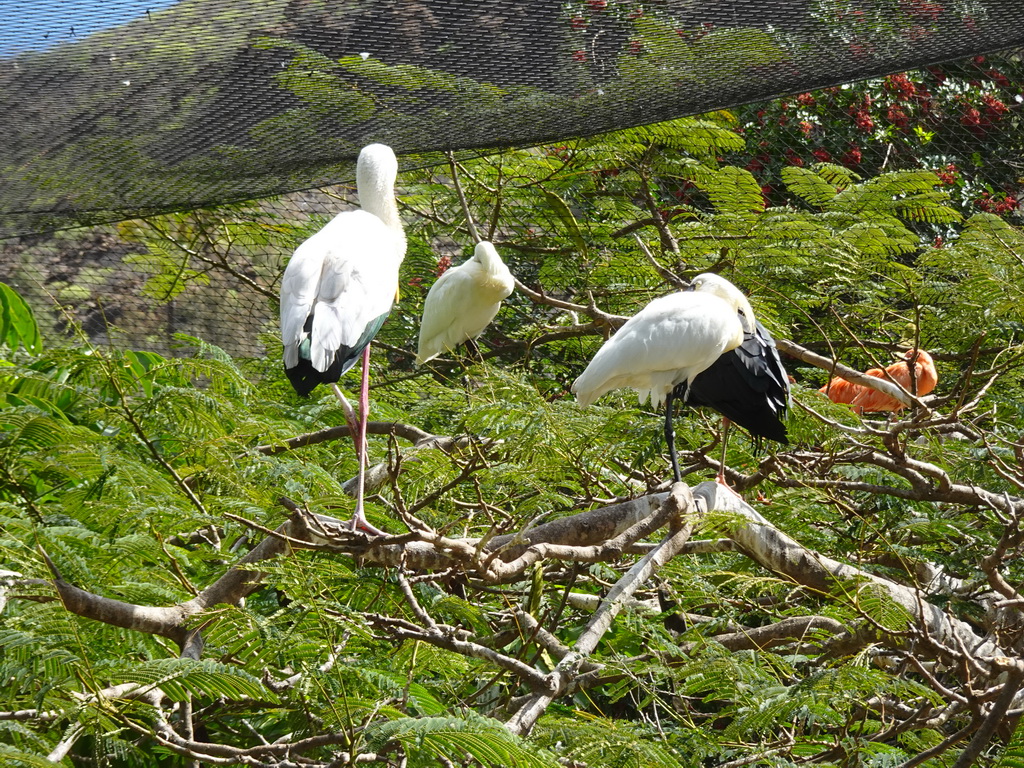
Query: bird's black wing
304, 377
747, 385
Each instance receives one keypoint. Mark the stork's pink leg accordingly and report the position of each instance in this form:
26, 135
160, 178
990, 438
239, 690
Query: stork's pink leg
720, 477
359, 521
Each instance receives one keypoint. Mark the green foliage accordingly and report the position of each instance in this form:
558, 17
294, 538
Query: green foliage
17, 324
143, 477
181, 679
1013, 755
485, 741
605, 741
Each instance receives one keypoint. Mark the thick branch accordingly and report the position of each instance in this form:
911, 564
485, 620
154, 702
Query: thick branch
779, 553
406, 431
779, 633
838, 369
167, 622
679, 506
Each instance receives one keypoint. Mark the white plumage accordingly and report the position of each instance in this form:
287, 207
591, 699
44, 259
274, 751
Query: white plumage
668, 342
338, 289
463, 302
340, 284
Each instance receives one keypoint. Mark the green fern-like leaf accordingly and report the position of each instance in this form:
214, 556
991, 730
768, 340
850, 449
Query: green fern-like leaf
179, 678
735, 190
15, 758
483, 739
809, 185
1013, 754
17, 323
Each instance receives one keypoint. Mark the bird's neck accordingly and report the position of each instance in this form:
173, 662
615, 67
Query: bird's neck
746, 313
382, 204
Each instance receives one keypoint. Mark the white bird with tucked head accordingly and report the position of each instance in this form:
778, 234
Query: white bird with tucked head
463, 302
338, 289
669, 343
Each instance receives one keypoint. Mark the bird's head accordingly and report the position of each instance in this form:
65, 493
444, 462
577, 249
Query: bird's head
723, 289
376, 169
918, 356
485, 253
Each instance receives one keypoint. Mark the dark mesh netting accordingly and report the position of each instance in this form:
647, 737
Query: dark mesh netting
120, 111
210, 101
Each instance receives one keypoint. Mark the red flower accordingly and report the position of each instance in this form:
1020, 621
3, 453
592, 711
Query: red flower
991, 204
821, 155
999, 78
442, 265
635, 46
806, 100
900, 86
806, 127
578, 22
636, 14
862, 119
792, 158
938, 242
895, 115
597, 5
993, 105
579, 55
971, 118
947, 175
759, 163
1005, 205
853, 156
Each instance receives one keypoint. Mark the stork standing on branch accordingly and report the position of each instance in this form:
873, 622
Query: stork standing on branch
663, 350
337, 291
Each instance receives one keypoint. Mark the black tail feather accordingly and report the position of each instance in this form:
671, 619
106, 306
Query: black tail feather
747, 385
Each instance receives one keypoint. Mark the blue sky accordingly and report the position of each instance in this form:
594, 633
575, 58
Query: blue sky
38, 24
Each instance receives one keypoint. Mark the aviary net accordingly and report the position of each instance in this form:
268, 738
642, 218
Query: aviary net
211, 101
125, 111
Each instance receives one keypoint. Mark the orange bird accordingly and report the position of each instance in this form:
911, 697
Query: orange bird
864, 399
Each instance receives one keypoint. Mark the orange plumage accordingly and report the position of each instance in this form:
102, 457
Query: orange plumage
864, 399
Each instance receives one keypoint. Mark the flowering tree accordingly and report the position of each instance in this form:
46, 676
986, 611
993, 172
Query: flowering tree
964, 121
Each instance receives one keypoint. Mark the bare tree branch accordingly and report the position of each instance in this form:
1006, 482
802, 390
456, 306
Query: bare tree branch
838, 369
679, 507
